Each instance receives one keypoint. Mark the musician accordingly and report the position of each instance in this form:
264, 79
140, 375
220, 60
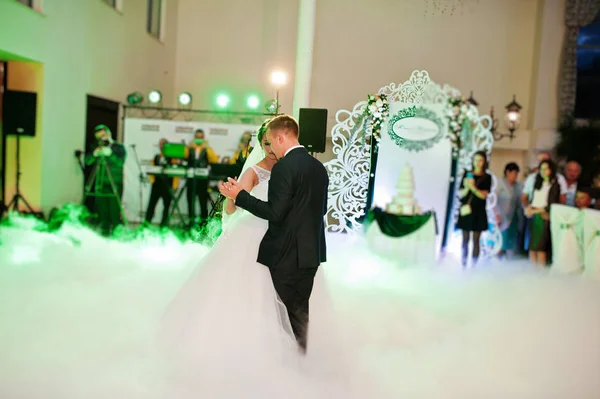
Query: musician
161, 188
243, 150
200, 155
108, 158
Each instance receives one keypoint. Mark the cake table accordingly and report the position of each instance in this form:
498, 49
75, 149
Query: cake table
406, 240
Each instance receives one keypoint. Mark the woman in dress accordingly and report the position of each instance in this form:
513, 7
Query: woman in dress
474, 189
508, 208
232, 302
546, 192
228, 319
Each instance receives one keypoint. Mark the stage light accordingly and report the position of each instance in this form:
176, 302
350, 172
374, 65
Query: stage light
253, 102
135, 98
222, 100
278, 78
271, 106
185, 98
154, 96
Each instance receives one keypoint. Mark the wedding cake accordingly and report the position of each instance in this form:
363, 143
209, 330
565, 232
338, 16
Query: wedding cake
404, 202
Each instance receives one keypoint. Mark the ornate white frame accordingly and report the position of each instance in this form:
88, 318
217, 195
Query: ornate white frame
349, 171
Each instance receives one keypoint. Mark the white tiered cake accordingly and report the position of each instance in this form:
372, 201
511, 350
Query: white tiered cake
404, 202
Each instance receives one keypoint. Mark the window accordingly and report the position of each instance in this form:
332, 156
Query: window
154, 18
588, 72
112, 3
28, 3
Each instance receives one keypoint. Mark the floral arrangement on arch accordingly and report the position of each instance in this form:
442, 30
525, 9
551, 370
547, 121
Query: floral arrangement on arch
461, 114
378, 108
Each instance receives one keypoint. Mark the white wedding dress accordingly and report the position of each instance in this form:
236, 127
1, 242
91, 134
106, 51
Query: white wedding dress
230, 298
227, 320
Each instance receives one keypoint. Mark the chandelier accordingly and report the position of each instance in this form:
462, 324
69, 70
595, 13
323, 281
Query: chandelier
446, 7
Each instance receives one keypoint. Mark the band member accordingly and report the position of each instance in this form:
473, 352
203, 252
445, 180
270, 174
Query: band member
243, 150
108, 158
200, 155
161, 188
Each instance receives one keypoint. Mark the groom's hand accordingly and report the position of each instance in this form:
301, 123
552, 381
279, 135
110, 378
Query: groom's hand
230, 189
234, 187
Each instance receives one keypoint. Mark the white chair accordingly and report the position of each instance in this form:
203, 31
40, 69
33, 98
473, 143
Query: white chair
565, 227
591, 242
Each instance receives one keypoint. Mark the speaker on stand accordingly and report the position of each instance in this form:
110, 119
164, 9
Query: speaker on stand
19, 119
313, 129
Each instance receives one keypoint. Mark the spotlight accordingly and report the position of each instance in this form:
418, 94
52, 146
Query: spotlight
278, 78
271, 106
135, 98
253, 102
185, 98
154, 96
222, 100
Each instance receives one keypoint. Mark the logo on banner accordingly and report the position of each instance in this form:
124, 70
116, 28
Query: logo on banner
416, 128
218, 132
184, 129
150, 128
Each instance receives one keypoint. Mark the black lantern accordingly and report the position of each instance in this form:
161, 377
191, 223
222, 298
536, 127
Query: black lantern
512, 120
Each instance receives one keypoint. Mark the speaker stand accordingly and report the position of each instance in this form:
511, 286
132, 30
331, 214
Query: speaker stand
14, 202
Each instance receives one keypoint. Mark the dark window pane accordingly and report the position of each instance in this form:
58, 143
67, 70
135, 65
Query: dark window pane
587, 100
589, 35
154, 16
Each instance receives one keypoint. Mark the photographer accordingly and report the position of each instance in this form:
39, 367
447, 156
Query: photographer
108, 159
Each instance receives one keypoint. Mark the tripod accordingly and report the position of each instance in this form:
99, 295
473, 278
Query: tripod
14, 203
100, 166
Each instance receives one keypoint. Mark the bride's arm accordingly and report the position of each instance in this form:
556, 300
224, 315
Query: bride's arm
247, 181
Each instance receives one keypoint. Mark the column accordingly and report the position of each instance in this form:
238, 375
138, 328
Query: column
304, 54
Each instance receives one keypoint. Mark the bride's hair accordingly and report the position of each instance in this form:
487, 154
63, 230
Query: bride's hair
261, 131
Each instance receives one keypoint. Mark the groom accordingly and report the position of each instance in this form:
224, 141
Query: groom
294, 245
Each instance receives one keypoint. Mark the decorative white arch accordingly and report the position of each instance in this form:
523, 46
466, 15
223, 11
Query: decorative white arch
349, 171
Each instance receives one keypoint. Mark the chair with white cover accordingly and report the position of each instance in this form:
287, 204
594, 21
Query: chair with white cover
591, 242
565, 228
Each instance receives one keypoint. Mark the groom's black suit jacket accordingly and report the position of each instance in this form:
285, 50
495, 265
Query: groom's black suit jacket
295, 209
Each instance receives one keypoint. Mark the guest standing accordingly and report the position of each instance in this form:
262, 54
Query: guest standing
546, 191
508, 208
472, 220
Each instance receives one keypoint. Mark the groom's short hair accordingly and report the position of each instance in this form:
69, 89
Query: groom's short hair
284, 123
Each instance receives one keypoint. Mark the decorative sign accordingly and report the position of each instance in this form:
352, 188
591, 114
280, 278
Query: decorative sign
416, 128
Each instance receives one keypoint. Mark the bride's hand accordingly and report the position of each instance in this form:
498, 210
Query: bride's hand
230, 189
224, 189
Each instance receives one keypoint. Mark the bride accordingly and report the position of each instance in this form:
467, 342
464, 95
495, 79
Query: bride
229, 308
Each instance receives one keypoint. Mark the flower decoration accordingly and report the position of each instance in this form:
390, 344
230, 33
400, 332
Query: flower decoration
461, 114
376, 111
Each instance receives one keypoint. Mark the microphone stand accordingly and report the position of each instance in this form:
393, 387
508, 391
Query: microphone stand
78, 154
142, 178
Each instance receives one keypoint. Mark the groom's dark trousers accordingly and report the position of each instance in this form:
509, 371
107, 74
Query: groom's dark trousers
294, 244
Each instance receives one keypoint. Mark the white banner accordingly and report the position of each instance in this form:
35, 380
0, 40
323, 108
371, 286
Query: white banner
145, 134
416, 135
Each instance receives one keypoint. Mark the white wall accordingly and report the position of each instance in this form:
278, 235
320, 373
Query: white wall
486, 47
233, 46
85, 47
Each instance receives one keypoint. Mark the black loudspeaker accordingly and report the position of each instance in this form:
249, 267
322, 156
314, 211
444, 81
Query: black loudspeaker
20, 109
313, 128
